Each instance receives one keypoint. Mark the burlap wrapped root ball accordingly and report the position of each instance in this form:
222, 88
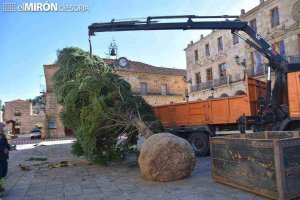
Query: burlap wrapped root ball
166, 157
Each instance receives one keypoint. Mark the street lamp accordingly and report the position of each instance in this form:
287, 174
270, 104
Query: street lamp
237, 60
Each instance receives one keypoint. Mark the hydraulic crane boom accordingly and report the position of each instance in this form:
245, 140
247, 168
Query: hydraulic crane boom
135, 25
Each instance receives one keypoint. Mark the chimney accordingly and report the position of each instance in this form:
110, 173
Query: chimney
191, 42
261, 1
243, 12
201, 36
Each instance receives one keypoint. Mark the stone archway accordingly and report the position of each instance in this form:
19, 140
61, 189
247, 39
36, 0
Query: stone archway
239, 92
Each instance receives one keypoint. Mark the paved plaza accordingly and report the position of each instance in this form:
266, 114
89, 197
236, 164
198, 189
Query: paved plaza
82, 180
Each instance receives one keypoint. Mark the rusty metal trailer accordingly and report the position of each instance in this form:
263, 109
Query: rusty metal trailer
266, 163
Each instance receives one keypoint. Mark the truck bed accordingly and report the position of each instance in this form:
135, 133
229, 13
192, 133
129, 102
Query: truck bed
212, 111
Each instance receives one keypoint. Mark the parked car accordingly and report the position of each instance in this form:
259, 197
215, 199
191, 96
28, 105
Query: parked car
35, 133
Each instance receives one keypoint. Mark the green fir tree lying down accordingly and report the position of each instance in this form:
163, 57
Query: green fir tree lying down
100, 108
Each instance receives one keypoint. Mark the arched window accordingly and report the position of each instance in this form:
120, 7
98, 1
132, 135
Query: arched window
240, 92
224, 95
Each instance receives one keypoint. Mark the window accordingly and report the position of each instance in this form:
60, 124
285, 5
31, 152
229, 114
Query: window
235, 39
275, 17
220, 44
209, 75
163, 89
198, 78
252, 24
196, 55
143, 88
222, 69
257, 63
207, 52
280, 48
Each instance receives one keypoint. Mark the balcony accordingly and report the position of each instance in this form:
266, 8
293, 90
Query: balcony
258, 70
154, 92
17, 113
294, 58
18, 123
224, 80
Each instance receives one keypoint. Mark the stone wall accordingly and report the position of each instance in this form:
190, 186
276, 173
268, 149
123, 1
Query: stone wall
52, 108
287, 31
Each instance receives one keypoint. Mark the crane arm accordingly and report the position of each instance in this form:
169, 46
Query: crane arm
137, 25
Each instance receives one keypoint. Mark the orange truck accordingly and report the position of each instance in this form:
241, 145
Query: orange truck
198, 120
261, 109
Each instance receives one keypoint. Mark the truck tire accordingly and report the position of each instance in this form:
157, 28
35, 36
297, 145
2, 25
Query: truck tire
200, 143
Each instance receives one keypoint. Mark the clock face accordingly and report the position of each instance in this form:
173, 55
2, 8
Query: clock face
123, 62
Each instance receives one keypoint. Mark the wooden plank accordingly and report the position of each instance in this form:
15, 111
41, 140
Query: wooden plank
279, 167
259, 191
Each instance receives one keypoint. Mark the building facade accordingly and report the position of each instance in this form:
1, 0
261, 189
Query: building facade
212, 67
19, 115
157, 85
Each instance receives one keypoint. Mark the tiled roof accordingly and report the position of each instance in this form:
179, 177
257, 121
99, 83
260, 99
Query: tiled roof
135, 66
17, 100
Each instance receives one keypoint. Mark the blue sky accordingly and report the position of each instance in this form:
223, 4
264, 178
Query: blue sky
30, 40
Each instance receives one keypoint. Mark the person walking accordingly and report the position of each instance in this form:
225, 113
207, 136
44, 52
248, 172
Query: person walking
4, 152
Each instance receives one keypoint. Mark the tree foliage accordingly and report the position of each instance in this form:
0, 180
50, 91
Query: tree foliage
98, 106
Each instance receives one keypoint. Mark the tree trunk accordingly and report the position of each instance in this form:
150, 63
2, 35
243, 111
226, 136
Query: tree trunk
144, 130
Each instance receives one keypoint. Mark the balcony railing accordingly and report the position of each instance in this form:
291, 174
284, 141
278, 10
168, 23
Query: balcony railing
18, 123
17, 113
224, 80
258, 70
294, 58
149, 92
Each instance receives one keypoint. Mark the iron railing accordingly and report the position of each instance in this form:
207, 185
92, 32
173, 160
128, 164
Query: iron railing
258, 70
294, 58
149, 92
224, 80
17, 113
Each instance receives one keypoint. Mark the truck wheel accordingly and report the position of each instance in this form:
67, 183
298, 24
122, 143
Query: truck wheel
200, 143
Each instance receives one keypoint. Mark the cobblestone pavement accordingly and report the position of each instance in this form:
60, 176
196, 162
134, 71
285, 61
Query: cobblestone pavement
98, 182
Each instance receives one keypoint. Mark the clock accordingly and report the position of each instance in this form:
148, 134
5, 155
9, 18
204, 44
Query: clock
123, 62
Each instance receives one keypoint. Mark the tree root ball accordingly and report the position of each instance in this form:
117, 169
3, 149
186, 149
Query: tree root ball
165, 157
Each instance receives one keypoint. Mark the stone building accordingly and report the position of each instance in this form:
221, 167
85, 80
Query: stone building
212, 69
157, 85
18, 113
